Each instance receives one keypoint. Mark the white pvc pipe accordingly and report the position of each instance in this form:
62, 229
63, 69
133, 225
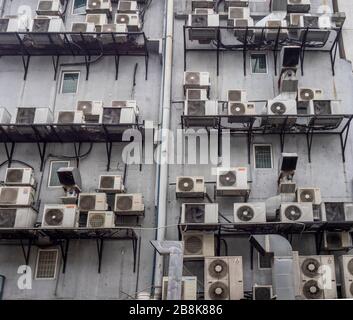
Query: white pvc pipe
164, 149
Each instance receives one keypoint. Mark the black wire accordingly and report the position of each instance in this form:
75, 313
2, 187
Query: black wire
17, 161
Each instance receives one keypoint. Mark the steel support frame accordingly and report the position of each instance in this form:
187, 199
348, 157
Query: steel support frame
9, 152
64, 247
26, 252
244, 48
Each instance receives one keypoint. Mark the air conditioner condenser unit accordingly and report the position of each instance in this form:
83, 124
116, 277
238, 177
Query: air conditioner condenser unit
16, 196
190, 187
49, 8
346, 268
232, 181
129, 204
111, 184
29, 115
296, 212
20, 177
199, 215
196, 95
17, 217
312, 195
188, 288
198, 245
280, 112
60, 216
69, 117
99, 6
101, 219
326, 112
204, 27
301, 6
196, 80
92, 110
199, 113
132, 21
92, 202
337, 240
250, 212
127, 7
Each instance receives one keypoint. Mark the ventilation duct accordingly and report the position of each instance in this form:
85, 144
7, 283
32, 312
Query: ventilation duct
282, 266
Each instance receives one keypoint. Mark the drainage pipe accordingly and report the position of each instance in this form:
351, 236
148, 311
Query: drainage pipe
164, 140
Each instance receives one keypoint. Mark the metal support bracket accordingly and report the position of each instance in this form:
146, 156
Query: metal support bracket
64, 252
26, 253
9, 152
77, 153
100, 246
42, 149
344, 137
56, 65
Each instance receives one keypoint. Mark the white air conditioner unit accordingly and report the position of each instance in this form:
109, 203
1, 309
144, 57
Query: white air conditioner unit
60, 216
224, 278
127, 7
129, 204
17, 217
116, 29
196, 95
201, 4
196, 80
235, 13
101, 219
312, 195
297, 212
289, 83
252, 212
5, 116
111, 184
124, 104
296, 20
97, 19
49, 8
318, 277
47, 24
337, 240
308, 94
92, 110
99, 6
199, 108
132, 21
204, 27
232, 181
237, 95
119, 115
9, 25
276, 30
69, 117
20, 177
301, 6
240, 109
348, 211
235, 3
82, 27
198, 245
204, 11
92, 201
282, 110
16, 196
191, 187
346, 268
188, 288
262, 292
202, 214
326, 111
317, 28
27, 115
241, 28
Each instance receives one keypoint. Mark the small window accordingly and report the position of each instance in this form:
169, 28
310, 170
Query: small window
79, 7
258, 63
69, 82
47, 261
263, 156
53, 180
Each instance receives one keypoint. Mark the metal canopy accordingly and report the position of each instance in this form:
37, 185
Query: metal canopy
87, 45
62, 237
250, 125
247, 43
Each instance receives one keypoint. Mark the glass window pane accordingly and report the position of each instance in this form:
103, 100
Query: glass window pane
69, 82
54, 167
258, 63
79, 7
263, 158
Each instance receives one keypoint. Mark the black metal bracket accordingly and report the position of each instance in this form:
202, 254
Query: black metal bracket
64, 252
26, 253
333, 51
117, 60
56, 65
42, 150
9, 152
309, 142
100, 246
109, 147
77, 147
134, 249
343, 138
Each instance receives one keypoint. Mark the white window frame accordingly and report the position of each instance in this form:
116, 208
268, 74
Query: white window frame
258, 53
56, 264
72, 9
62, 81
50, 172
254, 154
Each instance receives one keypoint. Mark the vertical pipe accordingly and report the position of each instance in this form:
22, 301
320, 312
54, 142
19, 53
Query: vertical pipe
164, 138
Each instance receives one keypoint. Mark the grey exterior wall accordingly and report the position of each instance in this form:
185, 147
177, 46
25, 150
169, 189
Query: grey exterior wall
117, 281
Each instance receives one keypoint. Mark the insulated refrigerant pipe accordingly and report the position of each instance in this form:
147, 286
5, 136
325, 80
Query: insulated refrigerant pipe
164, 143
